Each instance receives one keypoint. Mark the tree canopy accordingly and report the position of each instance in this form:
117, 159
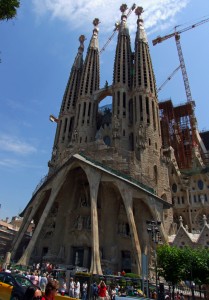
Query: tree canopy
176, 264
8, 9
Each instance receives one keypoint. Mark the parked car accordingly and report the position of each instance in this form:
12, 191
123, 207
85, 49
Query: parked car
13, 286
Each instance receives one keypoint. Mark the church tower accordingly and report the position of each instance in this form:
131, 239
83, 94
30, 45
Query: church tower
85, 123
65, 121
122, 81
147, 135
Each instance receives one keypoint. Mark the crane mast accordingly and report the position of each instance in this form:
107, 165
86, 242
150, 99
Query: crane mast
183, 68
176, 34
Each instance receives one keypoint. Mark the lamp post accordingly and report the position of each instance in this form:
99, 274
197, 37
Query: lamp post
153, 231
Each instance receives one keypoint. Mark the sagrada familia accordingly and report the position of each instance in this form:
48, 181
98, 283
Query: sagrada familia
112, 171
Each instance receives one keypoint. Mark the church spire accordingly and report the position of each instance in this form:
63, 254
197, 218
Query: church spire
86, 108
90, 76
66, 118
123, 63
145, 102
71, 92
143, 72
122, 81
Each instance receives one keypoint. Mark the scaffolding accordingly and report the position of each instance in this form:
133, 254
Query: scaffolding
179, 131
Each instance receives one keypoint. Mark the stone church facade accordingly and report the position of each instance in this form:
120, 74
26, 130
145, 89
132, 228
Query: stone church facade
105, 180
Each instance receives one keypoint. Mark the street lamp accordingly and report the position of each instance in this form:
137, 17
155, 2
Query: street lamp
154, 232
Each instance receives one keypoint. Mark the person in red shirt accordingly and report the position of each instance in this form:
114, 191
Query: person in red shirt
102, 290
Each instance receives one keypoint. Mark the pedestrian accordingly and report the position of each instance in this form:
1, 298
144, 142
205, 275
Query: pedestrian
43, 282
72, 288
102, 290
77, 289
84, 290
51, 290
113, 293
63, 287
33, 293
181, 296
95, 291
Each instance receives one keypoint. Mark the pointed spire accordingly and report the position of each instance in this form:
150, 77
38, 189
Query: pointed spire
180, 221
90, 76
79, 57
94, 40
123, 29
71, 91
204, 220
141, 34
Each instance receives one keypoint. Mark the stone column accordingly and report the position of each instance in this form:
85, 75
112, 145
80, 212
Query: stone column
126, 194
28, 217
57, 183
94, 180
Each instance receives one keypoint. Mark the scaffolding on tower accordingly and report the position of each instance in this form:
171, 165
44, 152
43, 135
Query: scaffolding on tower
180, 120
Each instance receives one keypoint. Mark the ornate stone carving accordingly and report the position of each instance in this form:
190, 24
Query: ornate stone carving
142, 137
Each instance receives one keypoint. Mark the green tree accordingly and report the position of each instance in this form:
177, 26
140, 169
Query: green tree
171, 263
177, 264
197, 265
8, 9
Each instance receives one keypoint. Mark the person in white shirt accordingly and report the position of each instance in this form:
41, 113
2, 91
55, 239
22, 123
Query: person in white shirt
72, 288
77, 289
84, 291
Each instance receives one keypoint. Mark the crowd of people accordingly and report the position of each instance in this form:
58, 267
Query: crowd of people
46, 282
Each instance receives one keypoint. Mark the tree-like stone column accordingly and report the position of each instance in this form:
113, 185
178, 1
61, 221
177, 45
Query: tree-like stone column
126, 194
28, 217
94, 180
57, 183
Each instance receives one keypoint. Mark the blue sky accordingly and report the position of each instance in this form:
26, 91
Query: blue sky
37, 52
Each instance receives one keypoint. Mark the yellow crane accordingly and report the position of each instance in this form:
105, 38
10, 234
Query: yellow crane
176, 34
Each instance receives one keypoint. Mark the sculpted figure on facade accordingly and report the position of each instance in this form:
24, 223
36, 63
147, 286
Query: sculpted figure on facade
141, 138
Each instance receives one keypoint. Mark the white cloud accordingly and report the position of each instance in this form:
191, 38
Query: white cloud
80, 13
15, 145
7, 162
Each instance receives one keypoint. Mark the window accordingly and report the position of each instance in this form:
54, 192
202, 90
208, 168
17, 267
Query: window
174, 188
200, 184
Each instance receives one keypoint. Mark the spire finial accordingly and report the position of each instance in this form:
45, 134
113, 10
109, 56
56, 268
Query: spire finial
96, 22
96, 29
81, 39
139, 11
204, 220
123, 8
181, 221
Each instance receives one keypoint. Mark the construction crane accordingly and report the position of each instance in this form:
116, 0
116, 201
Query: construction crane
169, 78
117, 25
176, 34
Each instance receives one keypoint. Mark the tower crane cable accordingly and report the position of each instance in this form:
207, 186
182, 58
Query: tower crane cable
169, 78
180, 53
116, 29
